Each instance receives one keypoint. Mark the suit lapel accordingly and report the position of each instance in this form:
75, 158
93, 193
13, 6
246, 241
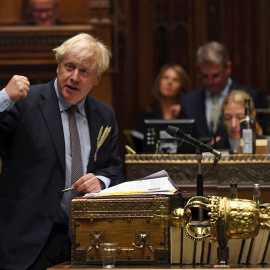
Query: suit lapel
94, 124
51, 113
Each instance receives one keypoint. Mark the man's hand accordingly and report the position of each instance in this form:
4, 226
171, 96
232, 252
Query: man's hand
88, 183
17, 87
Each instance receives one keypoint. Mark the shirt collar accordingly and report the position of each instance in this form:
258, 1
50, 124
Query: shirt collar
224, 92
63, 104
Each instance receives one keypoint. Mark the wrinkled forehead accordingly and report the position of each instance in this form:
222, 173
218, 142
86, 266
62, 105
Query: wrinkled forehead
211, 69
73, 57
86, 62
42, 4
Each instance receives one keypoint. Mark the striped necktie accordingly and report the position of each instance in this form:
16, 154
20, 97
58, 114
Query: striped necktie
215, 111
76, 155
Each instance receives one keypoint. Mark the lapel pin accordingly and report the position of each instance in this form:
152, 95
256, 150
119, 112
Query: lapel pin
101, 138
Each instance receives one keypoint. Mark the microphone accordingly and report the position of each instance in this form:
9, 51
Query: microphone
179, 134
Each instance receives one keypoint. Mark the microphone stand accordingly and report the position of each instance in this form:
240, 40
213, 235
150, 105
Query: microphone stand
199, 158
213, 133
200, 147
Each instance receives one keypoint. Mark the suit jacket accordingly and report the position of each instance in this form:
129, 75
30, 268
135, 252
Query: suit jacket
193, 107
32, 149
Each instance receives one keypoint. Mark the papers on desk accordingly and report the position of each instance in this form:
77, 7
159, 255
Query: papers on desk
157, 183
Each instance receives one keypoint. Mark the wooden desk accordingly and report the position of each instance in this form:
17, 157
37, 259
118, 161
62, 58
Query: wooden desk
245, 170
66, 265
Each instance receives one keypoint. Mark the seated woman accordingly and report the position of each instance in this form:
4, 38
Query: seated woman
233, 110
170, 84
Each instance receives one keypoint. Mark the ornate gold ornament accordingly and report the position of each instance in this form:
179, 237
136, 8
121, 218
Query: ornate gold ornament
228, 219
242, 218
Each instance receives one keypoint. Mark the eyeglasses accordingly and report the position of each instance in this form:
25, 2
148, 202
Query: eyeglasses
43, 10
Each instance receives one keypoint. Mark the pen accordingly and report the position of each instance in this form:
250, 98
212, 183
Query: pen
68, 189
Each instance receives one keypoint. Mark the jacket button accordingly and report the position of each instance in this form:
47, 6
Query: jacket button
51, 216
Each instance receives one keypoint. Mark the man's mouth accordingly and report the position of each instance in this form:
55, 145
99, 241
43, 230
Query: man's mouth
72, 87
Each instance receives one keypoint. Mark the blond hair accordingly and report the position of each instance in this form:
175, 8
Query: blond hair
84, 46
239, 97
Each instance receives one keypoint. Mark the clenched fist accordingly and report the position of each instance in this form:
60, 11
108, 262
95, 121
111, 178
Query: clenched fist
17, 87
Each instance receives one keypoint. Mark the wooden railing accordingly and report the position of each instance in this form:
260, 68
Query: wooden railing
245, 170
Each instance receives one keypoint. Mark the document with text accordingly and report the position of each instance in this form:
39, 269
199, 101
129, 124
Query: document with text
157, 183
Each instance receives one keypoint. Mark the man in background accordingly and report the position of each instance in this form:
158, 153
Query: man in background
44, 12
204, 104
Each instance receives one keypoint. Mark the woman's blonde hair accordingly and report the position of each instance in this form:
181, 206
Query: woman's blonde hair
84, 46
239, 97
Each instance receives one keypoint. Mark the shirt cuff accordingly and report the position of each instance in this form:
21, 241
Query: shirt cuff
5, 102
105, 180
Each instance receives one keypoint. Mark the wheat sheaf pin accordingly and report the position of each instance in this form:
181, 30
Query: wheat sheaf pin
101, 138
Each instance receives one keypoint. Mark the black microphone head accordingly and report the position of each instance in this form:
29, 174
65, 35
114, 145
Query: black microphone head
171, 130
175, 132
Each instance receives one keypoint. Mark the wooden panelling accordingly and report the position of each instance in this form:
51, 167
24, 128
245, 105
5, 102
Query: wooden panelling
71, 11
145, 34
11, 12
27, 50
162, 31
245, 170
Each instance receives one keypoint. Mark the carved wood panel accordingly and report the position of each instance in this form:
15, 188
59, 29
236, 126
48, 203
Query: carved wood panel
182, 169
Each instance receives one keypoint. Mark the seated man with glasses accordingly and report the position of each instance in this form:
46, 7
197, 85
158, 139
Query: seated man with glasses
204, 104
44, 12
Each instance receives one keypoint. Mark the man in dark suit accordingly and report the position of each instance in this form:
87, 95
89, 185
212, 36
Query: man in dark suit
215, 70
36, 154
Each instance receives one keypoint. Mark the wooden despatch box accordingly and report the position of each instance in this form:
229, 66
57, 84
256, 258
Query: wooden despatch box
133, 223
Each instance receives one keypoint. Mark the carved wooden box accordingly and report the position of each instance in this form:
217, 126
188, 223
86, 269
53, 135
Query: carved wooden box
134, 223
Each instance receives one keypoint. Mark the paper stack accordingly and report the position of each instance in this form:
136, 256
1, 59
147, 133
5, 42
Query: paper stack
158, 183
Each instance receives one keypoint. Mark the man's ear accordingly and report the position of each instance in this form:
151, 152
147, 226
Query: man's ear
98, 78
254, 114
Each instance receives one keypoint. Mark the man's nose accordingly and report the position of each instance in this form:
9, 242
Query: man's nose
43, 14
210, 79
75, 75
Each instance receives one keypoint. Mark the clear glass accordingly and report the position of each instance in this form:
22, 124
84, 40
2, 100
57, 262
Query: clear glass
108, 252
248, 131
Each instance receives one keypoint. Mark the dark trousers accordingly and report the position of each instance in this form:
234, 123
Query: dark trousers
56, 250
